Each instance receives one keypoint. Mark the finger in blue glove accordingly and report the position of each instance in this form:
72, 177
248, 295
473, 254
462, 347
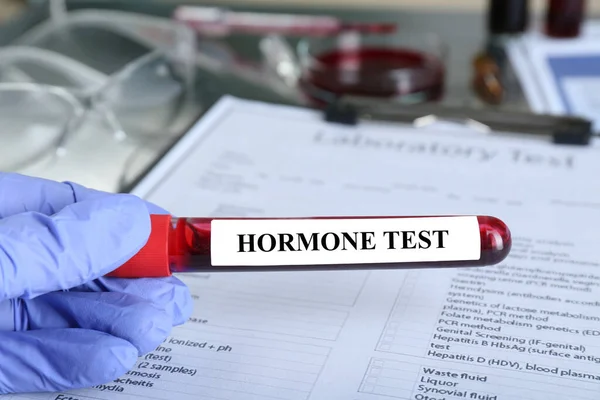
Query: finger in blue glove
170, 294
22, 193
93, 333
81, 242
140, 322
61, 359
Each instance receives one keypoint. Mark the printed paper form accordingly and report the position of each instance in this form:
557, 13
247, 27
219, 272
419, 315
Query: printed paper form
378, 335
558, 76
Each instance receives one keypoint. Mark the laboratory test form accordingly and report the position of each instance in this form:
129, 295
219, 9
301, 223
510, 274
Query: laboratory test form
528, 328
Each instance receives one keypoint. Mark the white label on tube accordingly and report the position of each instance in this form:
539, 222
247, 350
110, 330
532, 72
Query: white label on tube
273, 242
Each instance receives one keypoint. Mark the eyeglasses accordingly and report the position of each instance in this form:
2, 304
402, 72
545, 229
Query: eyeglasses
34, 65
45, 96
69, 33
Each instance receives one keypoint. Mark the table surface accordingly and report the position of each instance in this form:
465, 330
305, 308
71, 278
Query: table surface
97, 160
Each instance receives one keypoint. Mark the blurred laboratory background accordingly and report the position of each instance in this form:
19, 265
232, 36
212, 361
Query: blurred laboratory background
96, 91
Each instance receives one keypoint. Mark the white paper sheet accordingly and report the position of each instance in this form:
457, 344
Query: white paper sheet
528, 329
552, 71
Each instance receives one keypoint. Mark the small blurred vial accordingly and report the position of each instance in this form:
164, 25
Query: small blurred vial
564, 18
508, 17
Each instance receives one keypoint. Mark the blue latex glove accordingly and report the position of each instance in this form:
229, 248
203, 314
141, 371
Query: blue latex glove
62, 325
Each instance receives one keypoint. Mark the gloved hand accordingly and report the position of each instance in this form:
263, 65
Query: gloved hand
62, 324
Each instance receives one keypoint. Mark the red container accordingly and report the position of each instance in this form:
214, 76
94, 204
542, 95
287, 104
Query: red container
403, 67
564, 18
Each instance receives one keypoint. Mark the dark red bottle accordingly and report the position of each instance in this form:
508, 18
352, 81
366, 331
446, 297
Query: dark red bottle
564, 18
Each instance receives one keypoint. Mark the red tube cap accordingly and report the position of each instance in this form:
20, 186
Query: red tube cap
152, 261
